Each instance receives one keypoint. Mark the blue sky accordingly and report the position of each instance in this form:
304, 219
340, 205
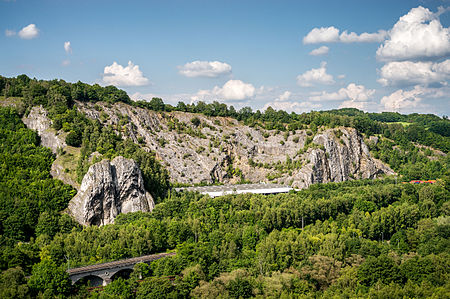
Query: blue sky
292, 55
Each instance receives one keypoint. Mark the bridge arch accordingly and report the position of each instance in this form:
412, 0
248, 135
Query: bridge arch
123, 273
91, 280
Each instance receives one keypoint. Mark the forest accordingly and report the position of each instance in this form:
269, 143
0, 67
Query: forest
361, 238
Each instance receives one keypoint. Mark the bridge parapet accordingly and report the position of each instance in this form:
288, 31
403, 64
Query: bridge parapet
105, 271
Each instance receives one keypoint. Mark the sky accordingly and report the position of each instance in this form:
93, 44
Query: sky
291, 55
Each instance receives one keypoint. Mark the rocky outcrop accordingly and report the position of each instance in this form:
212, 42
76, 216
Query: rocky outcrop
108, 189
338, 159
219, 171
38, 120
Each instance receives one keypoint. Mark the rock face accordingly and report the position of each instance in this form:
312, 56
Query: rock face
339, 159
38, 120
108, 189
224, 150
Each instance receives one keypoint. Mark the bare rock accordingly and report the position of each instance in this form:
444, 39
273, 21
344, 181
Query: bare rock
38, 120
374, 140
339, 159
108, 189
206, 153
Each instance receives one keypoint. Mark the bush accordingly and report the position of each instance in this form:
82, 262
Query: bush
381, 268
49, 278
195, 121
73, 139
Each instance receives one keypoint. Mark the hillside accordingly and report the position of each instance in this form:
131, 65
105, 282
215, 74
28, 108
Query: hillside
199, 149
359, 234
213, 143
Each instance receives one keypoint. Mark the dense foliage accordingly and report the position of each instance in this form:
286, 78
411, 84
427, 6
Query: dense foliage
348, 239
365, 238
30, 200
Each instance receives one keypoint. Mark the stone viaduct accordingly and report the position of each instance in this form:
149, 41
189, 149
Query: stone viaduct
103, 274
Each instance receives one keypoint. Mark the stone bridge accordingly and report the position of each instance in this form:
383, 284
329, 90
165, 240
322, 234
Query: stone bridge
103, 274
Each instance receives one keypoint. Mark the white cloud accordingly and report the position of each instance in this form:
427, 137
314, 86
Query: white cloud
342, 76
320, 51
10, 33
353, 92
403, 99
331, 35
364, 37
210, 69
291, 106
322, 35
235, 90
354, 104
417, 35
313, 76
285, 96
65, 62
232, 90
67, 47
118, 75
412, 73
282, 102
264, 90
29, 32
143, 96
415, 100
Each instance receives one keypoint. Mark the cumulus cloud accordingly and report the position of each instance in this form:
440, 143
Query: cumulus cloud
285, 95
414, 100
29, 32
417, 35
353, 92
232, 90
283, 102
322, 35
320, 51
67, 47
292, 106
364, 37
131, 75
353, 104
407, 73
403, 99
331, 35
313, 76
235, 90
210, 69
143, 96
10, 33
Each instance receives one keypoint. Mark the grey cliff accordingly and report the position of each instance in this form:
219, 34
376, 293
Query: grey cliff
222, 144
108, 189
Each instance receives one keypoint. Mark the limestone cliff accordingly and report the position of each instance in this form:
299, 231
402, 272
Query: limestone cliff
108, 189
224, 150
339, 159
